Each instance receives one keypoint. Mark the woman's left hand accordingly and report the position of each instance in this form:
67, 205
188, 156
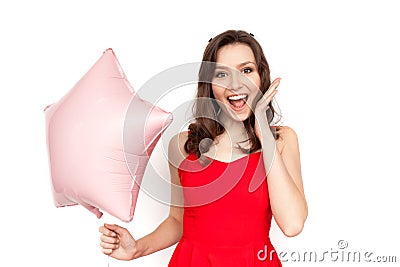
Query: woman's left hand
261, 108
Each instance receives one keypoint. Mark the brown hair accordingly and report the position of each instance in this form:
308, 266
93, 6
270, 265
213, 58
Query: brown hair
204, 130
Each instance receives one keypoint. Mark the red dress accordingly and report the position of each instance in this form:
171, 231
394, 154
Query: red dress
224, 223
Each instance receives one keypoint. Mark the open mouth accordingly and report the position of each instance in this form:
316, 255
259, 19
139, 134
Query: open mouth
237, 102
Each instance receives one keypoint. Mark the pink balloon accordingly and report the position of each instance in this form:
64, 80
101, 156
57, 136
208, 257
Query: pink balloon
90, 162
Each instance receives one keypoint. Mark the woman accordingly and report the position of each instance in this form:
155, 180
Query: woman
226, 223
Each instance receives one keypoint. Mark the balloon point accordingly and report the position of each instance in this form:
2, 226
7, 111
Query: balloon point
109, 50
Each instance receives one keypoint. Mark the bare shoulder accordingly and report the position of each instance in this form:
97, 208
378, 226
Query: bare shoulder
286, 132
176, 148
287, 138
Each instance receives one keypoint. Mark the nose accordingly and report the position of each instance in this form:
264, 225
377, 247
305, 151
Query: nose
236, 82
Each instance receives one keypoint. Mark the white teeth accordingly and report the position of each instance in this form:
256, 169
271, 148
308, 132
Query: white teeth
237, 97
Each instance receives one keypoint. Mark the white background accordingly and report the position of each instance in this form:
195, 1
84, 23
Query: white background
339, 64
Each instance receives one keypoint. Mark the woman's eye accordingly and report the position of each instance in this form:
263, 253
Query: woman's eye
247, 70
220, 74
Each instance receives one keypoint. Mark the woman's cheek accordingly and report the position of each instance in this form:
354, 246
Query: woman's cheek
218, 93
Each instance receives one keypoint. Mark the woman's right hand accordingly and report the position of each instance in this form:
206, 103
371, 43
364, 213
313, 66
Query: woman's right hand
117, 242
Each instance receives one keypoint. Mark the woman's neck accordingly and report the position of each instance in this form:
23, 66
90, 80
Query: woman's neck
227, 146
234, 129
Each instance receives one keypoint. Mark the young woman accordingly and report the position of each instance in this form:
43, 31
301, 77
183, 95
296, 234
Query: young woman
231, 172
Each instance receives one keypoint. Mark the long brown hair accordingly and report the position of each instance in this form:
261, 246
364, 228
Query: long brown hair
203, 131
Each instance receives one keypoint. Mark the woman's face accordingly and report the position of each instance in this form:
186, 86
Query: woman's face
236, 80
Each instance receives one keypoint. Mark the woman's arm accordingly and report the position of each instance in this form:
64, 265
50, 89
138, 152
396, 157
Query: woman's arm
285, 184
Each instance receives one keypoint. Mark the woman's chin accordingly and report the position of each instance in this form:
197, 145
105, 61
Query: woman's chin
239, 114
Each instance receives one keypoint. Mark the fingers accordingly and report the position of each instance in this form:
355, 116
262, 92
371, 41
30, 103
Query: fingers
269, 94
107, 232
116, 229
112, 238
269, 98
105, 245
108, 247
108, 239
107, 251
272, 88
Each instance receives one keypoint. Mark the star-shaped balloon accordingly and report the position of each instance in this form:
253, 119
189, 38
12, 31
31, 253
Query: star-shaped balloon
100, 136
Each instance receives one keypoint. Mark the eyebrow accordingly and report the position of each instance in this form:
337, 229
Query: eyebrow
221, 66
